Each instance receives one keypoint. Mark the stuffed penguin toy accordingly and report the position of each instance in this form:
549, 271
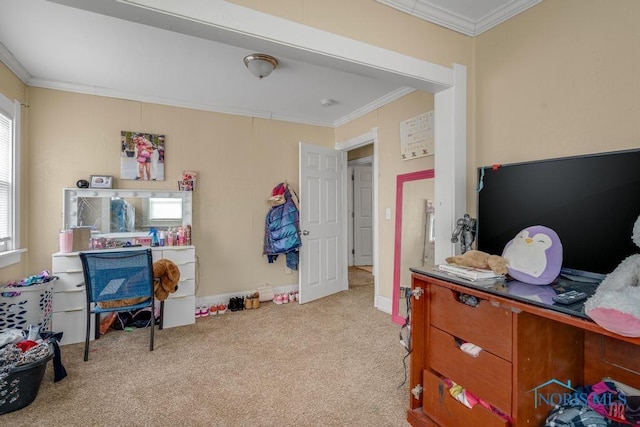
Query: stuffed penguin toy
534, 256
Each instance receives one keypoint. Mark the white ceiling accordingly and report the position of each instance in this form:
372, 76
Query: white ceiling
119, 49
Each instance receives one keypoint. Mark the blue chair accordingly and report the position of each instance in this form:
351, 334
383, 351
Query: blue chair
117, 281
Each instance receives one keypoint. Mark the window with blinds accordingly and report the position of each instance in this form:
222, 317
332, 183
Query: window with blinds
7, 185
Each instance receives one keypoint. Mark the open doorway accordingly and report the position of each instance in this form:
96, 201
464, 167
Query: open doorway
360, 215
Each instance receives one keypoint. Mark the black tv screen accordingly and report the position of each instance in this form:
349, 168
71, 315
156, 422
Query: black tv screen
591, 201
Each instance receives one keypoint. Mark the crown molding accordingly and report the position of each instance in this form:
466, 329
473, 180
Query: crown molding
372, 106
424, 9
110, 93
12, 63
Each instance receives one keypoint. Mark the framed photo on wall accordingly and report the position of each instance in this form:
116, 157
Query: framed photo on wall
142, 156
101, 181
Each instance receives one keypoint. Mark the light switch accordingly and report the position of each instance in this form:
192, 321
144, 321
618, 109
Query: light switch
387, 213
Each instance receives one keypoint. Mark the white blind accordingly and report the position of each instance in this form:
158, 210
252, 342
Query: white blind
5, 176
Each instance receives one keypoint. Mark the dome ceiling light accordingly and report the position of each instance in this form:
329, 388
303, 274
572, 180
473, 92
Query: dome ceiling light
260, 64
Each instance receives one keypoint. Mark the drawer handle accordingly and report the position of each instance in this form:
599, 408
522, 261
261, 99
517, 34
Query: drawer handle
74, 290
471, 349
469, 300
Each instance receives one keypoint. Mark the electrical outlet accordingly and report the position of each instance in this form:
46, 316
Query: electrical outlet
287, 270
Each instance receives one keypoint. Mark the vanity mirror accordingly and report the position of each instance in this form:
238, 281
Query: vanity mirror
124, 213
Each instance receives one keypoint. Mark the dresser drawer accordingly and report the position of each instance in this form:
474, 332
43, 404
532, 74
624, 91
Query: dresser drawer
187, 271
445, 410
179, 311
73, 324
68, 282
66, 264
180, 255
485, 325
71, 300
186, 287
487, 376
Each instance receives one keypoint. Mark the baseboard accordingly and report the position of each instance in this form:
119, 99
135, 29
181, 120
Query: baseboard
383, 304
209, 300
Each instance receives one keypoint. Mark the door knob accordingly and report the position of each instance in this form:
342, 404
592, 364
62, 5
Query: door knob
305, 232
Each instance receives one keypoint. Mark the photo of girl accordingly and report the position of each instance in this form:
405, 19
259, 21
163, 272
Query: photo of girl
142, 156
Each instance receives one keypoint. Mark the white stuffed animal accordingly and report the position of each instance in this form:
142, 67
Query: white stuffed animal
616, 304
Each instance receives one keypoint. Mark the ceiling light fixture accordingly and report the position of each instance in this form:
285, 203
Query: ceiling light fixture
260, 64
326, 102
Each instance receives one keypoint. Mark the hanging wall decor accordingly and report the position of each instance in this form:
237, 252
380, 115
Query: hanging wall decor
142, 156
416, 137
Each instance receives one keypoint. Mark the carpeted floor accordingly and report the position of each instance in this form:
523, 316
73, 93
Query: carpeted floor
332, 362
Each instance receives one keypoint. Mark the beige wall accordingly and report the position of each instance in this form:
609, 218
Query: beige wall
560, 79
239, 160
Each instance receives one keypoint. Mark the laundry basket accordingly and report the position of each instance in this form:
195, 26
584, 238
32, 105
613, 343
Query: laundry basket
21, 306
20, 387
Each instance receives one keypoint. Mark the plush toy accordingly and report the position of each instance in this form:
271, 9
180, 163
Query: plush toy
167, 276
616, 304
479, 259
534, 256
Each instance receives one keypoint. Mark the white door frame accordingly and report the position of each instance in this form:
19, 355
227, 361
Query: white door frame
357, 142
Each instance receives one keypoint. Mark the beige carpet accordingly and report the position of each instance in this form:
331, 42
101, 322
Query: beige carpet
332, 362
368, 268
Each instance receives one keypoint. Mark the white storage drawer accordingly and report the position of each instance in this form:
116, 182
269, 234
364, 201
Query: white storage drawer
179, 311
179, 254
187, 271
67, 263
73, 324
185, 287
69, 300
68, 282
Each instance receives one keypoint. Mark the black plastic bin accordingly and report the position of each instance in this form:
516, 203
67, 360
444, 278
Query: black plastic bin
20, 387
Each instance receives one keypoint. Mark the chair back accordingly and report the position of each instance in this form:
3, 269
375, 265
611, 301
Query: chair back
125, 276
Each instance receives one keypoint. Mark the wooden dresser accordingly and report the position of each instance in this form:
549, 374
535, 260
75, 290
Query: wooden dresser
529, 352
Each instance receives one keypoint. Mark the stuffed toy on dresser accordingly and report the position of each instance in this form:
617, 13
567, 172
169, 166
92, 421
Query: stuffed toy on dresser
616, 304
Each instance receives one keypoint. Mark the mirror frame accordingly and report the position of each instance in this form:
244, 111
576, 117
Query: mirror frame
71, 196
397, 256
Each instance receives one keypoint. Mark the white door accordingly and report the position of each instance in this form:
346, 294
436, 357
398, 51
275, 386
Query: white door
321, 270
363, 215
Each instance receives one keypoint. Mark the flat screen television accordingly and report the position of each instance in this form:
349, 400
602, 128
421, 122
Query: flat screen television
591, 201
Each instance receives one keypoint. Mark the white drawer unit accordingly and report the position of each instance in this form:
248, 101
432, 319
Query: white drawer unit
69, 300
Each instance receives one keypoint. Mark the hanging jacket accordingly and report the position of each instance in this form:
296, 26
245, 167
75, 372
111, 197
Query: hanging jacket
282, 226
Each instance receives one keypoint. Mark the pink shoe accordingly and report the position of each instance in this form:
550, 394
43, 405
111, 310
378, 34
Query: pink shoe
204, 311
198, 312
285, 298
278, 299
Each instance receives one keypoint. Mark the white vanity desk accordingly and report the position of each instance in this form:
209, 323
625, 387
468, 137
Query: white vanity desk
69, 301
